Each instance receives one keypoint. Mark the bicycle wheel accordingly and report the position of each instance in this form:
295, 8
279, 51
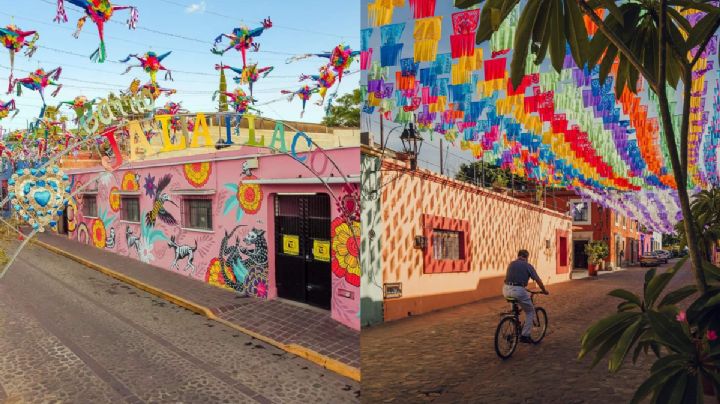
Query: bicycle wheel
539, 325
506, 337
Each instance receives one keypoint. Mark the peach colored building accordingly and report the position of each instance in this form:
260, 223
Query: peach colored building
446, 242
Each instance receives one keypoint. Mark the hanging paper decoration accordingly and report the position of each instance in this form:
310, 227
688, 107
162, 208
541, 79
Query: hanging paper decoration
38, 196
427, 35
422, 8
100, 12
155, 90
15, 40
38, 81
174, 109
325, 80
240, 101
151, 63
304, 93
462, 42
242, 39
249, 75
6, 108
381, 11
340, 58
81, 106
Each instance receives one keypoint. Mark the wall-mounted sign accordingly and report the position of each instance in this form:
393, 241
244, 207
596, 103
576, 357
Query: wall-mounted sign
291, 244
392, 290
321, 250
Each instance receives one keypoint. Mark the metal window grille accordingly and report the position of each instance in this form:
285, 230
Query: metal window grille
89, 205
197, 213
447, 245
130, 209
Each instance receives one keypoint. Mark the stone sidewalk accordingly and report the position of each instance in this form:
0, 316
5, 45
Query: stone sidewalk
448, 356
298, 329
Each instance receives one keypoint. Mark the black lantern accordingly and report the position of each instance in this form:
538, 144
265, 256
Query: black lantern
412, 143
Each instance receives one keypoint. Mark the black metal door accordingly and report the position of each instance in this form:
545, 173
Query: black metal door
580, 259
302, 253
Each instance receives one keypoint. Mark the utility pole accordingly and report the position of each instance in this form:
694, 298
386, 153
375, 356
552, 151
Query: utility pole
382, 135
474, 173
441, 157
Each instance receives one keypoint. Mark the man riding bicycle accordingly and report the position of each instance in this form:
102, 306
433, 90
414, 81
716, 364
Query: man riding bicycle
518, 274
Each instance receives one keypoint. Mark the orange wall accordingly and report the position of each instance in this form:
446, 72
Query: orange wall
498, 227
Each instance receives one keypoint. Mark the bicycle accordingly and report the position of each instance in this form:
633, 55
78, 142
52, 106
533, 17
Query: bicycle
507, 334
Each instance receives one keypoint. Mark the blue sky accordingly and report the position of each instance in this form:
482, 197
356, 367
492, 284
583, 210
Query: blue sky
187, 28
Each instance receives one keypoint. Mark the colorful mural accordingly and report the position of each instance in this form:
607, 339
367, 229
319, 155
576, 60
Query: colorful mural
237, 250
197, 174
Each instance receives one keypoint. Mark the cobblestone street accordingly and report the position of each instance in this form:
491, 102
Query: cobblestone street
70, 334
448, 356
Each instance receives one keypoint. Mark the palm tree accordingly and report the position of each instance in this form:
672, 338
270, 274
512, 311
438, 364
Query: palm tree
651, 39
705, 209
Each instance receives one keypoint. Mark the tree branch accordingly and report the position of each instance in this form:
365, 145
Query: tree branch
615, 40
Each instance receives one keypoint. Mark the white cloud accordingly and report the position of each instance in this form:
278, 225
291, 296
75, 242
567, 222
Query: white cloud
196, 8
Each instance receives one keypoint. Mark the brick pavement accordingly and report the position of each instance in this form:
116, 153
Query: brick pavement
279, 320
448, 356
69, 335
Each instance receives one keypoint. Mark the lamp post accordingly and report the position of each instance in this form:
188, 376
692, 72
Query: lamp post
412, 143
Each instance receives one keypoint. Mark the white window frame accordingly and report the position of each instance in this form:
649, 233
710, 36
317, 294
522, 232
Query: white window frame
572, 203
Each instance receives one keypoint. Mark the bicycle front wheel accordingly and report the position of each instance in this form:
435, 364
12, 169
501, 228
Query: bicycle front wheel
506, 337
539, 327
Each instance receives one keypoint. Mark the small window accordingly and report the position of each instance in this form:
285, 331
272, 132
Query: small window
447, 245
197, 213
130, 208
89, 208
580, 211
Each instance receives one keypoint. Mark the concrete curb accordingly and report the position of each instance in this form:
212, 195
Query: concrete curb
295, 349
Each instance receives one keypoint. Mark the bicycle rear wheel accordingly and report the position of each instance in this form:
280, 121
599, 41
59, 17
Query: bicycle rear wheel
506, 337
539, 328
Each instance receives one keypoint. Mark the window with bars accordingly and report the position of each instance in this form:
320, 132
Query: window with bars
197, 213
447, 245
580, 211
130, 206
89, 208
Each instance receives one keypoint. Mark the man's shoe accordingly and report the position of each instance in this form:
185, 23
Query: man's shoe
525, 339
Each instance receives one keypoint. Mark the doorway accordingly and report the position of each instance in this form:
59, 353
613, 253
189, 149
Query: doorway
580, 259
302, 248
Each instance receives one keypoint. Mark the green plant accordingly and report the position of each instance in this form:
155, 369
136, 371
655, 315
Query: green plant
500, 180
596, 251
685, 343
345, 111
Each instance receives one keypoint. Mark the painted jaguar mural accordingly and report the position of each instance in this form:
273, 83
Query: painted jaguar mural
242, 268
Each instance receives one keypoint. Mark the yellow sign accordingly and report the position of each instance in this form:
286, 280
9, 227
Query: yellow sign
321, 250
291, 244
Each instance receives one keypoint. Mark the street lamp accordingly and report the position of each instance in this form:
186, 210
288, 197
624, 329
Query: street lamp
412, 143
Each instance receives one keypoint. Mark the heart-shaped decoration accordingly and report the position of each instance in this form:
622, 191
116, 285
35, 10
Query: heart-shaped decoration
42, 197
39, 195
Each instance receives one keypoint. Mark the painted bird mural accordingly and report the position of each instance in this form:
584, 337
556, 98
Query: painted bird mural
158, 211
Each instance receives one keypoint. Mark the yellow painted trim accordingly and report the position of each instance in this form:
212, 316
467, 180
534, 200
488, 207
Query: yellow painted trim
295, 349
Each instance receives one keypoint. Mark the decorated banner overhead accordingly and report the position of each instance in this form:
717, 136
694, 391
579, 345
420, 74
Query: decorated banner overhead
421, 64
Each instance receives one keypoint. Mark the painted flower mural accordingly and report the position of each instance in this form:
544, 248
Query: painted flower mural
345, 251
214, 275
150, 186
197, 174
98, 233
246, 197
149, 237
130, 182
71, 214
114, 199
99, 229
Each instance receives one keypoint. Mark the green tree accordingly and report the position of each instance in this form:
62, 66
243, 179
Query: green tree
705, 209
345, 112
651, 38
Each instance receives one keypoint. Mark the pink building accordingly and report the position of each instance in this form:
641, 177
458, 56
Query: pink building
251, 219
